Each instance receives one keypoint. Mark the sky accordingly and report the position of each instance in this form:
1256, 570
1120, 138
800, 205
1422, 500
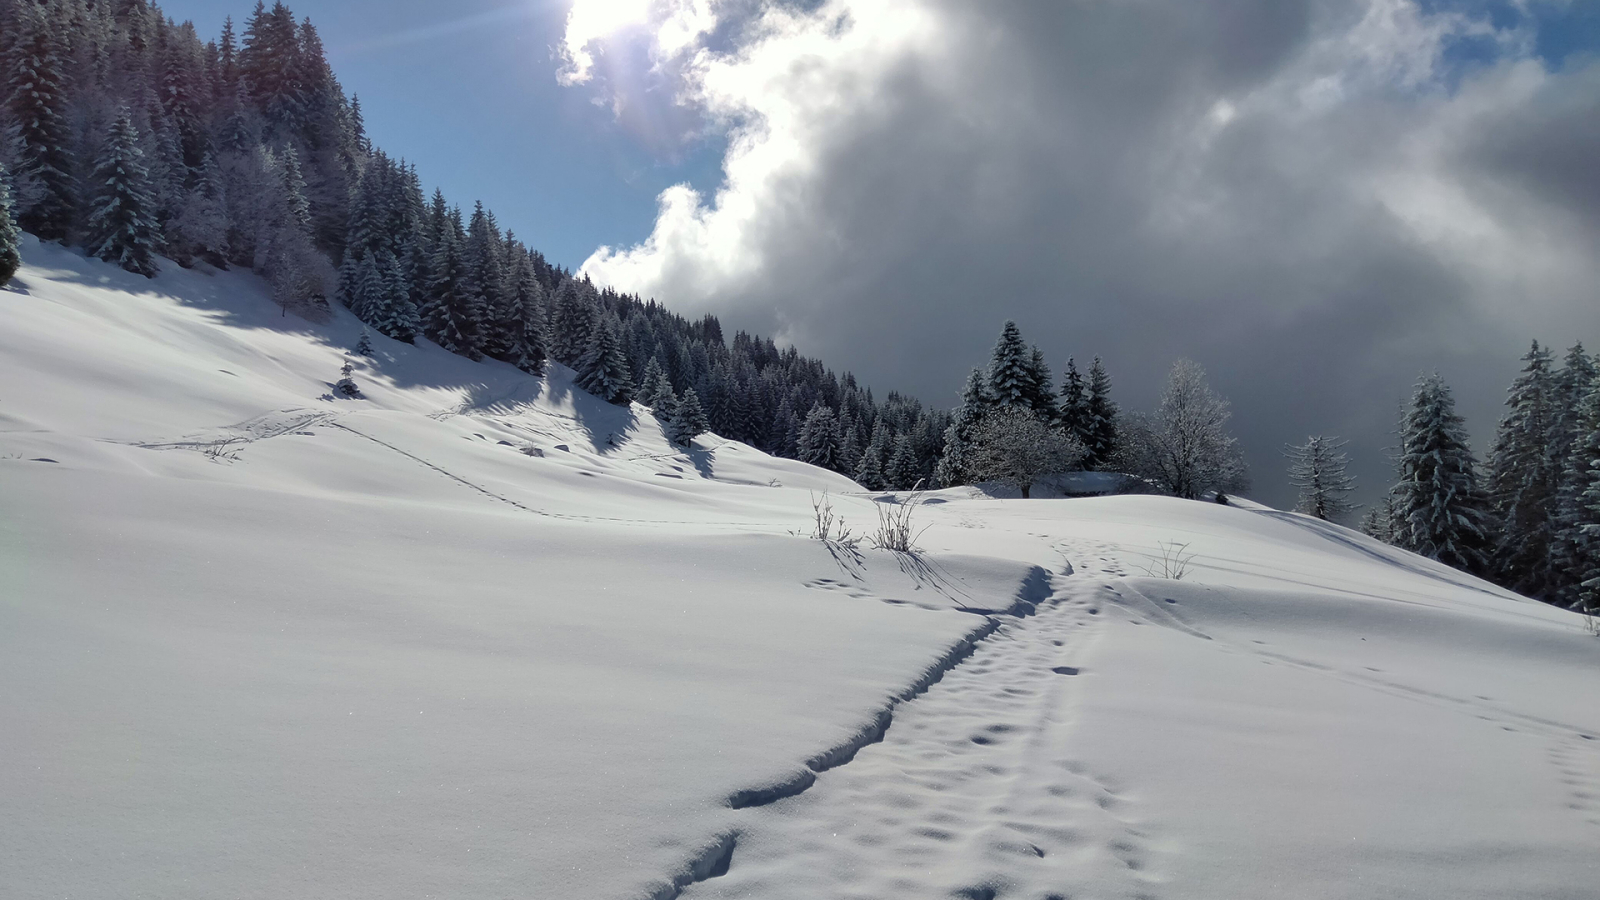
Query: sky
1317, 200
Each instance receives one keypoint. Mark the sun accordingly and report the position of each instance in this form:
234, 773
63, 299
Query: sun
590, 21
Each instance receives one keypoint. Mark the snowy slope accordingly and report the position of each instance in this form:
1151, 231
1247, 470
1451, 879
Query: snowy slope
479, 635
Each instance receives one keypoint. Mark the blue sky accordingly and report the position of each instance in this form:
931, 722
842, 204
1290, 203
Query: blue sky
468, 92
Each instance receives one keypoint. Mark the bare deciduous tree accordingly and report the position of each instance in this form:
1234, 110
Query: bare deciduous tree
1185, 447
1013, 446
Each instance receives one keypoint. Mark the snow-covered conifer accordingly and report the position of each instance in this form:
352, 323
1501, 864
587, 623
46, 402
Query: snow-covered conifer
1012, 380
1523, 481
900, 473
456, 307
1319, 468
688, 419
201, 228
649, 383
42, 183
10, 257
364, 345
122, 227
347, 384
1100, 436
1440, 508
1074, 404
819, 437
603, 368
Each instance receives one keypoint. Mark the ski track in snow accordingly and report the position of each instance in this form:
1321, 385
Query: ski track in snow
972, 793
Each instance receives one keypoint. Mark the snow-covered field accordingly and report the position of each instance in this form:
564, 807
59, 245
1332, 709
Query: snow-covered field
480, 636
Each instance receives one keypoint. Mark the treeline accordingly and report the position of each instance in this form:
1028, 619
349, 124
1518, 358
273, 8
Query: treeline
127, 134
1530, 520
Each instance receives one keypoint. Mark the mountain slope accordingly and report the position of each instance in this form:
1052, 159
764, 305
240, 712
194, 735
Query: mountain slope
479, 635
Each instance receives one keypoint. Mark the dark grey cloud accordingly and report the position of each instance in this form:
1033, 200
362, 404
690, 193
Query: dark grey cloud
1305, 197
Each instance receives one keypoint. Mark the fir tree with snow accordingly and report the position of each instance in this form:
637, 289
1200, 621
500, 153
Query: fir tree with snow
1074, 404
458, 316
121, 226
688, 419
1101, 429
650, 383
347, 383
43, 188
603, 368
1012, 378
1440, 508
10, 257
1523, 479
819, 437
1319, 469
663, 399
364, 345
901, 473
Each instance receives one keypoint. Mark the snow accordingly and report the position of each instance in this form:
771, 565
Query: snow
480, 635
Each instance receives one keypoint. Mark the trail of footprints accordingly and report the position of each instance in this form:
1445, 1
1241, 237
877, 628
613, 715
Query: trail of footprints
973, 794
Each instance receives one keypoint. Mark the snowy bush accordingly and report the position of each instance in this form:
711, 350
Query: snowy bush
1184, 448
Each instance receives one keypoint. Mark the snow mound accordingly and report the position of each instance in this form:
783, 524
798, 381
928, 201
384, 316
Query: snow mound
479, 634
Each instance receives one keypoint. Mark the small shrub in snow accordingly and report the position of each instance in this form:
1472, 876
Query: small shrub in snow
897, 530
1171, 560
827, 527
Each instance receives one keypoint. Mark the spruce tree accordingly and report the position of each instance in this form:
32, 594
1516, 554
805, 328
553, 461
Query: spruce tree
688, 419
1012, 380
603, 368
1523, 480
1573, 386
869, 472
364, 345
819, 437
1318, 468
1074, 404
45, 194
122, 227
1101, 438
901, 473
10, 254
1041, 396
528, 297
454, 306
1578, 523
1440, 508
649, 383
663, 400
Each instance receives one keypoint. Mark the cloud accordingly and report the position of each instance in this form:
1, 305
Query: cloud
1316, 199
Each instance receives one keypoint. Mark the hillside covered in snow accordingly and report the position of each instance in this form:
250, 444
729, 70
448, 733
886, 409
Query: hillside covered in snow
479, 635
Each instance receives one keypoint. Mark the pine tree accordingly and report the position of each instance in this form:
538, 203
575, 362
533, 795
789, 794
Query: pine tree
1319, 469
688, 420
347, 384
1041, 396
121, 227
901, 472
603, 368
976, 402
1379, 521
364, 345
10, 255
45, 194
663, 400
528, 298
869, 472
1075, 418
573, 321
650, 382
456, 308
819, 437
1012, 380
1573, 386
1440, 509
1523, 480
1100, 439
